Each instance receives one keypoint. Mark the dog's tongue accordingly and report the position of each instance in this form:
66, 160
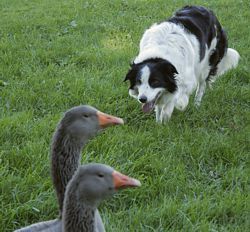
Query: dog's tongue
147, 107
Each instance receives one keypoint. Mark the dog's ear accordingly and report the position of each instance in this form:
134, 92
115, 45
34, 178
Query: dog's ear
132, 64
173, 69
168, 68
132, 72
169, 71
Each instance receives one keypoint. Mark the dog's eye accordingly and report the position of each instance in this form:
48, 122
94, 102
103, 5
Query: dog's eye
138, 82
155, 82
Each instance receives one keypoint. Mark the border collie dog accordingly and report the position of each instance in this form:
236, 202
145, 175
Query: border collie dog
178, 56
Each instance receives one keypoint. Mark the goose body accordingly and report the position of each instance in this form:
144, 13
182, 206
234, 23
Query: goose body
76, 128
45, 226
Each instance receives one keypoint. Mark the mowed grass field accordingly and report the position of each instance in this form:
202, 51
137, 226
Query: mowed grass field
56, 54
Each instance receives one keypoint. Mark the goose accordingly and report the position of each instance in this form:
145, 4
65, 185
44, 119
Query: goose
78, 125
91, 184
76, 128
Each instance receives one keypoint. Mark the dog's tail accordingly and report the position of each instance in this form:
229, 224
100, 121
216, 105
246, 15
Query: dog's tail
229, 61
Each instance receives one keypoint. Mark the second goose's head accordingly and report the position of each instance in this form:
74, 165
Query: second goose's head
93, 183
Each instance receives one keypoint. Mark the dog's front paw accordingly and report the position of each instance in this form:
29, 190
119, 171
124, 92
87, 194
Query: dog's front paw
166, 113
197, 103
161, 121
164, 117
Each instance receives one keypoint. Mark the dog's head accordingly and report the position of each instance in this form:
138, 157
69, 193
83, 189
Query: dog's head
149, 80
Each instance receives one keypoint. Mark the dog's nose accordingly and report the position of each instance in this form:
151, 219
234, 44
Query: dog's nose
143, 99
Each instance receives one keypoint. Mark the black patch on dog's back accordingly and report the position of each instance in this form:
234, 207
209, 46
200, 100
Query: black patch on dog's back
218, 53
204, 25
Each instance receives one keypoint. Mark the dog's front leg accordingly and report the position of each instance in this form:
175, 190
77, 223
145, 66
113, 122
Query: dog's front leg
182, 102
166, 112
199, 93
158, 110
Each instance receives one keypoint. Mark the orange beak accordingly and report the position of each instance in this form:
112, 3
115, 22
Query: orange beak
121, 181
106, 120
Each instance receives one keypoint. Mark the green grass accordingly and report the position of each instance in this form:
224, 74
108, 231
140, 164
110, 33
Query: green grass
194, 170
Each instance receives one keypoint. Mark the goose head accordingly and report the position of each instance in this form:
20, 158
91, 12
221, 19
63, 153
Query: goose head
93, 183
81, 123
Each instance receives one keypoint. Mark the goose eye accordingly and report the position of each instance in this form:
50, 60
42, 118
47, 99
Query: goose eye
100, 175
85, 116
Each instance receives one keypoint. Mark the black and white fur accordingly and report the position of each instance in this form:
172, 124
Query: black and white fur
177, 57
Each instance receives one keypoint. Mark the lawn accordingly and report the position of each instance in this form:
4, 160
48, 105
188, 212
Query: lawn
55, 54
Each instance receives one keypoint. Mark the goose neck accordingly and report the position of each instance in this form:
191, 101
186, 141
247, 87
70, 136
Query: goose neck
78, 217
